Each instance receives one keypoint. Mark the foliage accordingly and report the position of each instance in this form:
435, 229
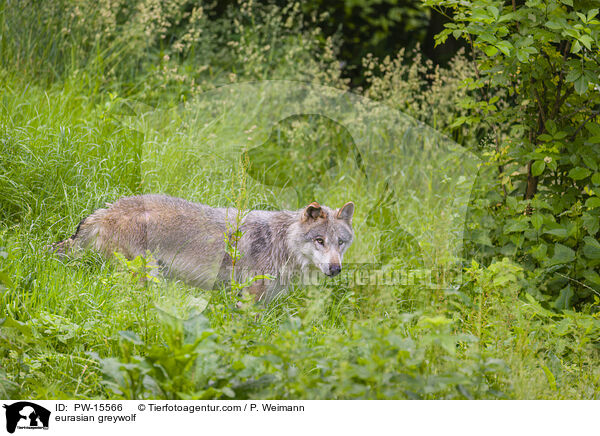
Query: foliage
170, 370
196, 362
544, 209
368, 26
429, 93
145, 47
500, 299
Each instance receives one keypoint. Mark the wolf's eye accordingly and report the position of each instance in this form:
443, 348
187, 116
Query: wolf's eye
340, 242
320, 241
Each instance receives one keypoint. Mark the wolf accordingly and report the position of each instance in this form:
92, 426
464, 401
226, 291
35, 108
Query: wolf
189, 241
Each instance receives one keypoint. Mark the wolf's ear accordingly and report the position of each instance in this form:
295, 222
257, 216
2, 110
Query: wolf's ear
346, 212
313, 211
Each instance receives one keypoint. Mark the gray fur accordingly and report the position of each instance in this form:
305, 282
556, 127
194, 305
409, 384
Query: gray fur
188, 240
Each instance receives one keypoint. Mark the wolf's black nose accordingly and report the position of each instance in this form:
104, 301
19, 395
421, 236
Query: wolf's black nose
334, 269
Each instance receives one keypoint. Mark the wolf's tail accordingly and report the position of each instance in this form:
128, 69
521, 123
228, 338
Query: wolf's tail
62, 248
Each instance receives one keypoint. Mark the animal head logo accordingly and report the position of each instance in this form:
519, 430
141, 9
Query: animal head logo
26, 415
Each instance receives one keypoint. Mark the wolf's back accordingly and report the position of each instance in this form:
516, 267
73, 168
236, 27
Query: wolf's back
187, 239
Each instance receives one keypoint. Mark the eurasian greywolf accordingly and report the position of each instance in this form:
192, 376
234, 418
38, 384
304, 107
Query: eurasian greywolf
189, 240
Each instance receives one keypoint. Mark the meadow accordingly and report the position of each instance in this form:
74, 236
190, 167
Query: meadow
253, 111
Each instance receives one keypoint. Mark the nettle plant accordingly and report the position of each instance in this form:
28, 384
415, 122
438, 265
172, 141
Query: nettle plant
546, 142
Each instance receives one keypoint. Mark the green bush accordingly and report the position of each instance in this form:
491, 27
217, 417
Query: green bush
420, 358
544, 209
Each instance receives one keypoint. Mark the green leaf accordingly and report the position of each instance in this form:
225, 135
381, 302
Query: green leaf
560, 232
591, 223
592, 276
494, 11
505, 47
480, 14
596, 179
433, 322
592, 202
517, 225
593, 128
562, 255
581, 85
5, 280
540, 204
564, 299
550, 377
579, 173
490, 50
228, 392
560, 135
540, 252
487, 37
538, 167
537, 220
197, 325
480, 236
441, 38
551, 126
196, 304
591, 249
23, 328
522, 55
573, 75
590, 162
554, 25
586, 41
458, 122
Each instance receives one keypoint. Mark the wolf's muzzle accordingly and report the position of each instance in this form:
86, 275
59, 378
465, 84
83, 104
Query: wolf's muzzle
334, 270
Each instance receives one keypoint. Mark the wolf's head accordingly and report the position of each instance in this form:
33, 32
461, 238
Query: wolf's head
322, 235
